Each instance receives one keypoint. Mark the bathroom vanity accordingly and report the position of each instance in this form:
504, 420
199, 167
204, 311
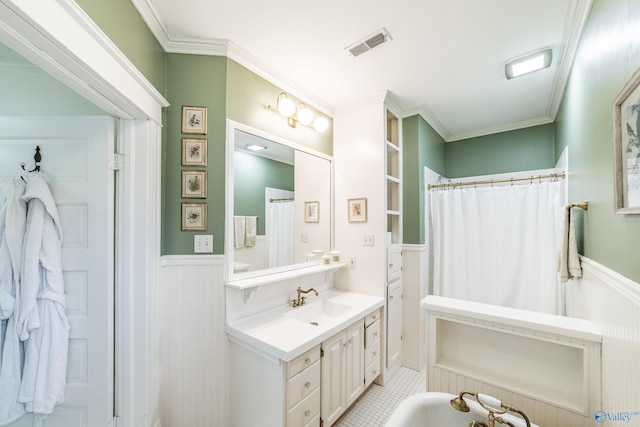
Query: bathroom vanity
287, 363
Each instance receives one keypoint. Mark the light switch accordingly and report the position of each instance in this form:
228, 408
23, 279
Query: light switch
304, 238
368, 239
203, 243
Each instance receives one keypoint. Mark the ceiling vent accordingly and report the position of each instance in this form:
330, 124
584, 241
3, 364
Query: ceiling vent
376, 39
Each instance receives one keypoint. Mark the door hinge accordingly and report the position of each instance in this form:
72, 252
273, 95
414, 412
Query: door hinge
321, 422
116, 161
321, 352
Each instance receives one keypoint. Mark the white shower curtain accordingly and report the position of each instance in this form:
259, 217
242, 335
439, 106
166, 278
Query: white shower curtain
280, 220
499, 244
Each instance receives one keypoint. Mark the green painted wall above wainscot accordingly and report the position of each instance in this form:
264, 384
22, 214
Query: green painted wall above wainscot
608, 54
194, 80
514, 151
421, 147
124, 26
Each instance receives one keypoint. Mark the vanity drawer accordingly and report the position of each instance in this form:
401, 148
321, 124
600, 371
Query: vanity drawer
371, 318
303, 361
305, 411
371, 333
371, 353
371, 372
303, 384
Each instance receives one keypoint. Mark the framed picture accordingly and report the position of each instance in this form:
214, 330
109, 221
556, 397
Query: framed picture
626, 141
194, 216
194, 120
194, 152
311, 211
194, 184
357, 209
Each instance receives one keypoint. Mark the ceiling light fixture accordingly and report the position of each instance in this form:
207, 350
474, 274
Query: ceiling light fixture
299, 113
528, 63
256, 147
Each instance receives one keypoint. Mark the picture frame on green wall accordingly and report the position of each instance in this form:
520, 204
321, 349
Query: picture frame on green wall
194, 120
626, 141
194, 184
194, 152
194, 217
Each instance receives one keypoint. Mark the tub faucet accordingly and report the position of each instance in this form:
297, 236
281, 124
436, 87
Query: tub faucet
301, 300
492, 405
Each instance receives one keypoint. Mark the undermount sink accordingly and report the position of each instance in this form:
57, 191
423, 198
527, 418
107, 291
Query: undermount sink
318, 312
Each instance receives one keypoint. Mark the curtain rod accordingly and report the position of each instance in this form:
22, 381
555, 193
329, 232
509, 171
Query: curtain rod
280, 200
496, 181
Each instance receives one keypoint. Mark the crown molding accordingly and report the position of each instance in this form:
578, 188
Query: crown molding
574, 24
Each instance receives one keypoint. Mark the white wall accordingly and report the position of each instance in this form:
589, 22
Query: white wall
358, 150
612, 303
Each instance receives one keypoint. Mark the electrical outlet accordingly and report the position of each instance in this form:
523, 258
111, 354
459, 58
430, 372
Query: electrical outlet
203, 244
368, 239
352, 262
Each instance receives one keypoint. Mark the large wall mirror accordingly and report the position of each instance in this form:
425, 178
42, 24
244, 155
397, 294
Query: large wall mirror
279, 203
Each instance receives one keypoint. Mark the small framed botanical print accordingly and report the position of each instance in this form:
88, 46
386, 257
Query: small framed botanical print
194, 152
194, 216
357, 209
194, 184
311, 211
194, 120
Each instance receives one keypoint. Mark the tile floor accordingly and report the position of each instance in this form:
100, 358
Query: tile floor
377, 404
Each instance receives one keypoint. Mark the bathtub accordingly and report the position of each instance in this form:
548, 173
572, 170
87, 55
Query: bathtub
434, 409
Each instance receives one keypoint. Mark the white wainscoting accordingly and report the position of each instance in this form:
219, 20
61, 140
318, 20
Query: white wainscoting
192, 342
415, 280
612, 303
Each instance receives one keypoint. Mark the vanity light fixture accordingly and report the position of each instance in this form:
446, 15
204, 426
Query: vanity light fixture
299, 113
528, 63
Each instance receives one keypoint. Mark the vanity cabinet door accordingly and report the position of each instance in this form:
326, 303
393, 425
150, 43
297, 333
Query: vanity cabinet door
354, 362
332, 385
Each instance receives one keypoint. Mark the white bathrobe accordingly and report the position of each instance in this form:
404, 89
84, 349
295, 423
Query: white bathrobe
42, 322
13, 214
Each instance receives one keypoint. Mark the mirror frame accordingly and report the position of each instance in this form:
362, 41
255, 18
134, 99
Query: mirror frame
232, 126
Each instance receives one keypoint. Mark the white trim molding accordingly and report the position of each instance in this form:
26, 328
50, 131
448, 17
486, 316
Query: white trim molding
60, 38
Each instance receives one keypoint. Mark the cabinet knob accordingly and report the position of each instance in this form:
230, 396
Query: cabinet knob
350, 340
375, 334
375, 353
307, 384
307, 360
390, 296
307, 413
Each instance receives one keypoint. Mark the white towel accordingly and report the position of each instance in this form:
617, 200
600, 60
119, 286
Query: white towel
250, 224
569, 261
238, 231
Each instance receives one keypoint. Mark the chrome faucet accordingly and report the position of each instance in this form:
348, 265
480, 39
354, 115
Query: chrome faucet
301, 300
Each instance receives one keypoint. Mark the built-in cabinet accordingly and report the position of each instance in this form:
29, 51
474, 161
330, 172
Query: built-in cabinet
393, 241
372, 347
367, 152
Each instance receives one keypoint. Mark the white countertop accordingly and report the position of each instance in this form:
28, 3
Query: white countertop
286, 332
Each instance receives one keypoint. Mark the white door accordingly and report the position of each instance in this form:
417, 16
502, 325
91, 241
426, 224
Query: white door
394, 322
74, 162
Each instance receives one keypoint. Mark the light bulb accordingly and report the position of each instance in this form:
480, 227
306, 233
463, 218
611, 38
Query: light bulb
305, 116
321, 124
286, 107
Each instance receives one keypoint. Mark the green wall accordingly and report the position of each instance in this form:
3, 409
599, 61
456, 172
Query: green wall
421, 147
607, 56
122, 23
252, 175
514, 151
247, 98
194, 80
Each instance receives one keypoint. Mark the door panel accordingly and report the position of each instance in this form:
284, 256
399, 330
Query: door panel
74, 163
